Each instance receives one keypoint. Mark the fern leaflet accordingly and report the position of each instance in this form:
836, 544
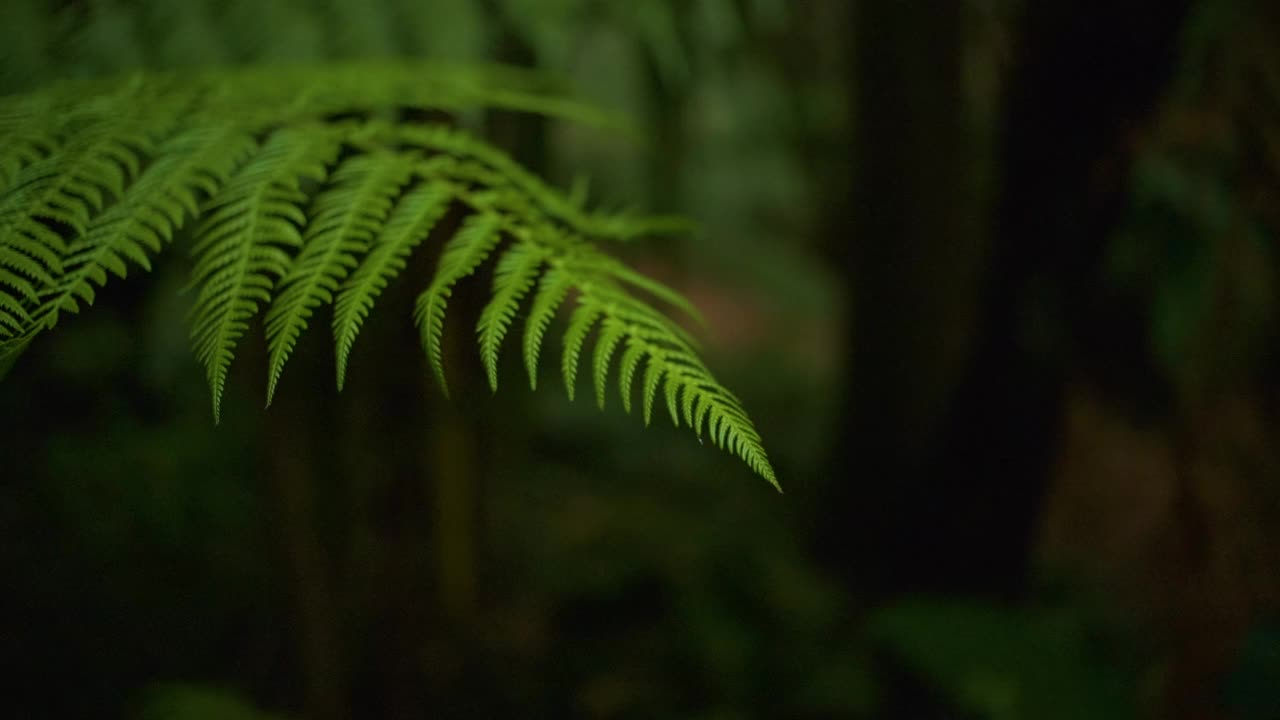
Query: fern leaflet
515, 275
242, 246
146, 217
552, 289
627, 366
462, 255
345, 220
410, 223
584, 317
612, 332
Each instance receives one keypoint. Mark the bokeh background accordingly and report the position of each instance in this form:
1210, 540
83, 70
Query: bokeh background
997, 280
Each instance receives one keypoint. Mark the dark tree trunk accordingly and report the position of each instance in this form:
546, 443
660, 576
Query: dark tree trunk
960, 345
914, 254
293, 468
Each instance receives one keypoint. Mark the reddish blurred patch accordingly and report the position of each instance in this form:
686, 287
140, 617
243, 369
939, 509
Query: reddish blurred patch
1180, 526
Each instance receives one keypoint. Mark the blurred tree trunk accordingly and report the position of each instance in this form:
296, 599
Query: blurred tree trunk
294, 471
961, 345
915, 258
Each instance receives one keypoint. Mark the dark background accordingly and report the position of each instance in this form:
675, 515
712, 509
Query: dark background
996, 279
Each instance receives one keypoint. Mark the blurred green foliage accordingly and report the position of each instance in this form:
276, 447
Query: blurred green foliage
188, 702
1200, 245
1008, 663
1251, 689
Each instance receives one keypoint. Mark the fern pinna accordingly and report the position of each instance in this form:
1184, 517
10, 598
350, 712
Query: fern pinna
306, 194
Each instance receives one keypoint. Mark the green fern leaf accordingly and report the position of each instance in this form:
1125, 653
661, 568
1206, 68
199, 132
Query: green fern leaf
703, 404
514, 276
345, 220
13, 317
688, 397
580, 323
631, 357
410, 223
198, 161
21, 145
612, 332
690, 389
671, 391
75, 184
66, 189
596, 262
631, 309
242, 245
33, 262
653, 374
96, 175
552, 289
703, 400
498, 168
478, 237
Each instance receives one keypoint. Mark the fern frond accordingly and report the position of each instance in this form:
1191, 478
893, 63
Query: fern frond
66, 164
653, 374
612, 332
671, 364
552, 289
67, 190
496, 167
345, 220
671, 393
478, 237
645, 318
627, 366
708, 404
296, 210
192, 164
242, 247
647, 337
13, 317
513, 278
599, 263
22, 143
580, 323
89, 171
410, 223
